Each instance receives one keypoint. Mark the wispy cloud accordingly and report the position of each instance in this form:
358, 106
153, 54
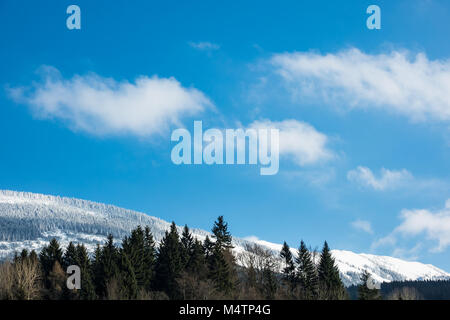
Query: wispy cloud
433, 224
205, 45
103, 106
388, 179
362, 225
411, 85
408, 253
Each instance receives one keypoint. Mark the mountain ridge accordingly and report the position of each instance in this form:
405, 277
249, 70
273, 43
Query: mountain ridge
29, 220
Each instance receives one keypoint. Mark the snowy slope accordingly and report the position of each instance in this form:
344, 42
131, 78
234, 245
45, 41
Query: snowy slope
29, 220
382, 268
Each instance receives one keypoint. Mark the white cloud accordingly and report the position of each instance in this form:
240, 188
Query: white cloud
362, 225
206, 46
389, 179
434, 224
104, 106
389, 240
299, 141
413, 86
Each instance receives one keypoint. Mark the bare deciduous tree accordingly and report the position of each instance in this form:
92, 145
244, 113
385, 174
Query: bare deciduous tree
260, 265
20, 280
27, 277
6, 281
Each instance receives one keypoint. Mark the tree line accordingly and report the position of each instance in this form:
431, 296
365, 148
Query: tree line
180, 267
411, 290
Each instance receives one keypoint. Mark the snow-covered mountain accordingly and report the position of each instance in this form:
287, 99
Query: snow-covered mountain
29, 220
382, 268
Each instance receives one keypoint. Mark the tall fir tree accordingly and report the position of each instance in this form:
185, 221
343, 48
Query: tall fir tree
87, 291
149, 258
208, 247
97, 272
49, 255
221, 234
70, 256
220, 272
106, 265
187, 242
110, 255
197, 260
134, 247
221, 260
289, 275
169, 264
128, 285
307, 273
331, 286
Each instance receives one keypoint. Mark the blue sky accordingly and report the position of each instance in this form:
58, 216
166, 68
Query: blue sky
368, 111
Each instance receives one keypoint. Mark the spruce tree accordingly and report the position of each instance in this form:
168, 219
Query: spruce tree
220, 272
106, 265
70, 256
307, 273
220, 259
128, 286
221, 234
50, 255
187, 242
168, 264
330, 283
87, 291
289, 275
97, 271
149, 258
110, 256
197, 260
208, 247
134, 247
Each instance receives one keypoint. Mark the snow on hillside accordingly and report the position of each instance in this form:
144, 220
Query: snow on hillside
29, 220
383, 268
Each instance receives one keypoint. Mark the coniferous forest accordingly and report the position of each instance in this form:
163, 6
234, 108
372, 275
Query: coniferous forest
183, 268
